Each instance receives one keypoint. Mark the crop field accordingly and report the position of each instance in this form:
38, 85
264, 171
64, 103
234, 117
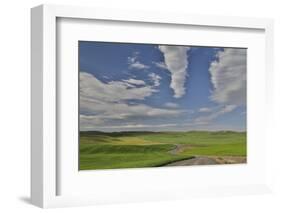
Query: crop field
101, 150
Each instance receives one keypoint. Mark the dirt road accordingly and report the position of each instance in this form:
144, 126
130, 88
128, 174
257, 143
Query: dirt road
194, 161
211, 160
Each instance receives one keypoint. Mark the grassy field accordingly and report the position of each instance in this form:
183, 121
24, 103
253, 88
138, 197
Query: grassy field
99, 150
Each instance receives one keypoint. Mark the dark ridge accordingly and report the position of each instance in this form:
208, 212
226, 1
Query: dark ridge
133, 133
173, 161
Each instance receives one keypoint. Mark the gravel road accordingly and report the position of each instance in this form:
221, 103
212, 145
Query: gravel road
194, 161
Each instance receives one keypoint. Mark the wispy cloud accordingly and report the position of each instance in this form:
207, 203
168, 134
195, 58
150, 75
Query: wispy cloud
155, 78
206, 119
103, 103
91, 87
161, 65
205, 109
171, 105
175, 59
228, 76
134, 63
136, 126
134, 82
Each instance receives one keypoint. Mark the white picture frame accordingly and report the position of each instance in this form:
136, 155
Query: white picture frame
45, 168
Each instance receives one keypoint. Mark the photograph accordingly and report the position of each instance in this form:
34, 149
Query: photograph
161, 105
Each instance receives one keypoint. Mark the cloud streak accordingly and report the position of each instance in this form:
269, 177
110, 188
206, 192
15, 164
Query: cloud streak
205, 109
135, 82
206, 119
176, 62
113, 91
134, 63
228, 76
155, 78
105, 103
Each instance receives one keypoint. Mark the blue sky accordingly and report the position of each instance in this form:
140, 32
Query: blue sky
140, 87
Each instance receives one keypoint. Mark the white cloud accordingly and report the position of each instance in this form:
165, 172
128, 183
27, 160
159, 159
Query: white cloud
134, 81
205, 109
138, 65
171, 105
106, 110
228, 76
104, 103
91, 87
228, 108
155, 78
161, 65
175, 58
135, 126
206, 119
107, 113
134, 63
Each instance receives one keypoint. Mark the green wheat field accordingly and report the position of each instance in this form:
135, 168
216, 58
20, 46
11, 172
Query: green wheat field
116, 150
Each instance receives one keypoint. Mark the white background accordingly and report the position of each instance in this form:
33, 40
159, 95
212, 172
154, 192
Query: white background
15, 98
102, 185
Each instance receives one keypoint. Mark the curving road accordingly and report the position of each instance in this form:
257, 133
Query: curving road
194, 161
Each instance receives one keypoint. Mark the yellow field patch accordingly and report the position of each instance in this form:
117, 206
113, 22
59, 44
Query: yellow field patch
133, 141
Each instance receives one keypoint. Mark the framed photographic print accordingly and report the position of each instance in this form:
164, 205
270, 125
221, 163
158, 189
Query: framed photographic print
149, 106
